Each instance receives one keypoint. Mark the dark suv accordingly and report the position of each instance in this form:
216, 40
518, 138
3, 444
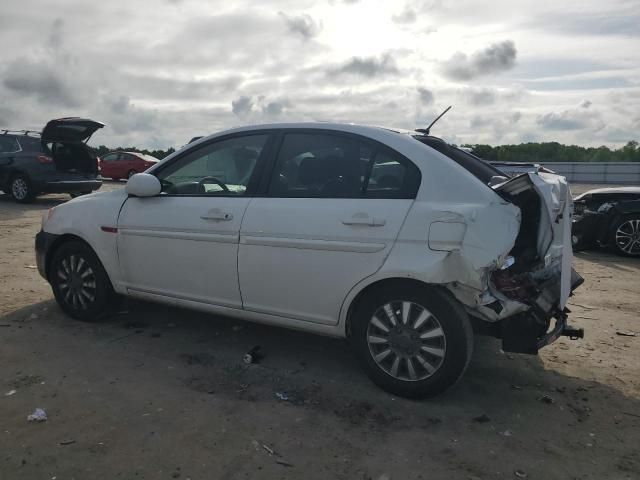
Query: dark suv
56, 161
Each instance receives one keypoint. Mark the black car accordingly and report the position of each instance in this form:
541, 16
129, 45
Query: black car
56, 161
608, 217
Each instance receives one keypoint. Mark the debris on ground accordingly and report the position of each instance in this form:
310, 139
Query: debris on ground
282, 396
254, 355
38, 415
67, 442
269, 450
547, 399
31, 267
626, 333
484, 418
507, 433
520, 474
33, 316
10, 392
283, 463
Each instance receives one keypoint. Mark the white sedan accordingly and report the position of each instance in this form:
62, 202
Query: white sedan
396, 240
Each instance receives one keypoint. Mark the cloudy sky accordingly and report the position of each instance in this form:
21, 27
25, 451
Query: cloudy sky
159, 72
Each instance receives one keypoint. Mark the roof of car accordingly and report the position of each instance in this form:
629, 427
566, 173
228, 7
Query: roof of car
367, 130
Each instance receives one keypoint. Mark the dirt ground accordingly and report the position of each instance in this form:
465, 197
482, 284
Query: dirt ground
160, 393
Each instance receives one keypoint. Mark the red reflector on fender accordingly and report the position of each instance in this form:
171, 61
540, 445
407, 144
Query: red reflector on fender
109, 229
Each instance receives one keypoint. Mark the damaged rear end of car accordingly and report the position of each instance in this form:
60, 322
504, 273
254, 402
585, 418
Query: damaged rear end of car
511, 266
538, 278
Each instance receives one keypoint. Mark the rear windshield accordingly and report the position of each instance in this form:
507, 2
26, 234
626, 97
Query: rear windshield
478, 167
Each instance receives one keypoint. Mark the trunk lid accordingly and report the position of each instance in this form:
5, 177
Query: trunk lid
553, 218
70, 129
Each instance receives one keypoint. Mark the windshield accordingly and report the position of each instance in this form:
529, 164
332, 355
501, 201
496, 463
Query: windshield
478, 167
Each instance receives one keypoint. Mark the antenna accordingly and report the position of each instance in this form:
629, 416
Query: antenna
426, 130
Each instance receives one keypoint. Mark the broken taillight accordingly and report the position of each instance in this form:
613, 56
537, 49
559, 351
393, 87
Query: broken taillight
45, 159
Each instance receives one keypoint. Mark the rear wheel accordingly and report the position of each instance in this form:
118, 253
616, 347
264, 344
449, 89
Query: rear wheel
80, 284
412, 341
21, 189
626, 235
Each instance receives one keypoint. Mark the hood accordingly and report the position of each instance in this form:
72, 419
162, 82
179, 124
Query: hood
70, 129
609, 190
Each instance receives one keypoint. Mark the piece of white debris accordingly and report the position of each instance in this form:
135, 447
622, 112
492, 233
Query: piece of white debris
38, 415
33, 316
506, 433
282, 396
10, 392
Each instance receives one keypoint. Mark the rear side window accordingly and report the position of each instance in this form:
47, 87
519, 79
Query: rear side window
324, 165
8, 144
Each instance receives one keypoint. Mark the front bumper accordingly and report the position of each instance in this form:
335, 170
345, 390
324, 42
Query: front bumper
44, 241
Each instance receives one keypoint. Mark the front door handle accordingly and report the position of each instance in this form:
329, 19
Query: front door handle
364, 220
218, 215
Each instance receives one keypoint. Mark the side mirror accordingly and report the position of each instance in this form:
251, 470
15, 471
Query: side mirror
143, 185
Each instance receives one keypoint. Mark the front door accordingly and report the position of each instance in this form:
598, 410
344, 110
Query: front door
334, 207
183, 243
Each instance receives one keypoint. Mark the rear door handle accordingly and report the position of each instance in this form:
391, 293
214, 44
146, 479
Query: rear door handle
364, 220
218, 215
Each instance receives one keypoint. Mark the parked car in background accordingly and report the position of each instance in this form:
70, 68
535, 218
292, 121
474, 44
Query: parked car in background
608, 217
118, 165
395, 240
54, 161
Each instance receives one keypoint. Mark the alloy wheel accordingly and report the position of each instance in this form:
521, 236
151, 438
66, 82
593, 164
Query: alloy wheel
628, 237
77, 282
406, 340
19, 188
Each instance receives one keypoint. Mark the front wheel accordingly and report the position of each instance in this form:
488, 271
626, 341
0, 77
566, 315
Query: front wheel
413, 341
626, 235
80, 284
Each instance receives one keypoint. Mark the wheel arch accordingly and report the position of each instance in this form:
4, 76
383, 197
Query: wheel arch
61, 240
357, 295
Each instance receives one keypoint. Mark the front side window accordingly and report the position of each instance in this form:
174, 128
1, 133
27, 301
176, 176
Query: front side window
110, 157
8, 144
336, 166
221, 168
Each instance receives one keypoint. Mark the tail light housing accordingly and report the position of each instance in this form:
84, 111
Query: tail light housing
45, 159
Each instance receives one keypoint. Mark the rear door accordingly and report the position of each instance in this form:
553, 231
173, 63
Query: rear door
9, 147
333, 208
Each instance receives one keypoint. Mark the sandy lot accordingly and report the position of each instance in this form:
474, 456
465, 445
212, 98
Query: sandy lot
159, 393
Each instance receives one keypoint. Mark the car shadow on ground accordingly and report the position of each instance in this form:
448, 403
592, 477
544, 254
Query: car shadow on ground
610, 259
505, 403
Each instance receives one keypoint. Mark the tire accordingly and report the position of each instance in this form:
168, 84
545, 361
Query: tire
21, 190
625, 235
131, 173
74, 262
436, 362
78, 194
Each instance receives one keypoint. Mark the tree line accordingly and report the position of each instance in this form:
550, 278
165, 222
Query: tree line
525, 152
556, 152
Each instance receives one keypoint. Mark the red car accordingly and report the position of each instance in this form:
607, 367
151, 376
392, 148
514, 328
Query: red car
117, 165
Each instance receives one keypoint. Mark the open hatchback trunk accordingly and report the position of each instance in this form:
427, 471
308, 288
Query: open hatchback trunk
65, 140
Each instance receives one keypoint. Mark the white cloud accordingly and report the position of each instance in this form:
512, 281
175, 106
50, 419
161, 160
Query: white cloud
159, 73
